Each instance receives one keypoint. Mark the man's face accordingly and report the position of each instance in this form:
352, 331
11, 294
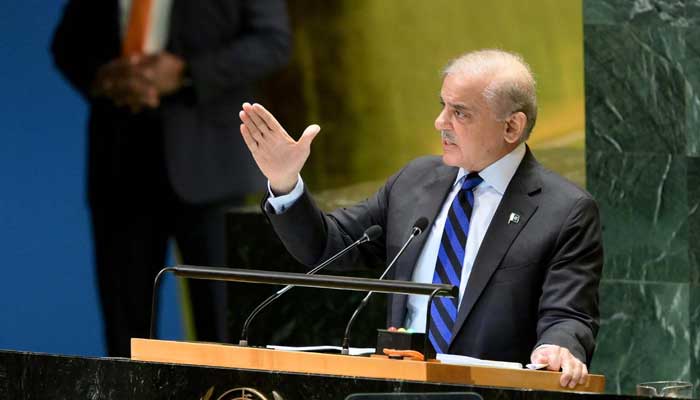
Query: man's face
472, 136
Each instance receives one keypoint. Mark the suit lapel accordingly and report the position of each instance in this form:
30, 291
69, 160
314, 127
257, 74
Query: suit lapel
430, 195
520, 198
429, 199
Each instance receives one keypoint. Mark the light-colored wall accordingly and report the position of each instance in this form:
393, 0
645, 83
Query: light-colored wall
370, 76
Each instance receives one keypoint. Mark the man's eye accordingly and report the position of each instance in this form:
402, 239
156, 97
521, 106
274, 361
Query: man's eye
459, 114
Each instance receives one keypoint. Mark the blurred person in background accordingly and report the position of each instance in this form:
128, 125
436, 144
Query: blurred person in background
161, 78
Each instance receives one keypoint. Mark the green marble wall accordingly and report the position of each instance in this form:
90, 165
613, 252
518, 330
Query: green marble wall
642, 74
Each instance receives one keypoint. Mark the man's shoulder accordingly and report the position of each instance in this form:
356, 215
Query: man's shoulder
420, 171
422, 168
560, 188
426, 162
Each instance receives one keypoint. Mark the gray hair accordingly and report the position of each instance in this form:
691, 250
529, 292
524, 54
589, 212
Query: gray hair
511, 88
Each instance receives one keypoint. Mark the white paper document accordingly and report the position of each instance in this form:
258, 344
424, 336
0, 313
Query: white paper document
444, 358
471, 361
354, 351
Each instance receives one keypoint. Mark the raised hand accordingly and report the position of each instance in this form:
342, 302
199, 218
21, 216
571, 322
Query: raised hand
279, 157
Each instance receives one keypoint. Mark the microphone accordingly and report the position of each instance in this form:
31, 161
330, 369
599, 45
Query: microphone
372, 233
418, 228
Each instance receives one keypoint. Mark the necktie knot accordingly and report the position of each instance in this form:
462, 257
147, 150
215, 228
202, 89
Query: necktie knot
471, 181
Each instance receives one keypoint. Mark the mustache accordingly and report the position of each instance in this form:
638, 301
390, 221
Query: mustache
448, 136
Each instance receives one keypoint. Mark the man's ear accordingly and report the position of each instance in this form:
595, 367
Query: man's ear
515, 127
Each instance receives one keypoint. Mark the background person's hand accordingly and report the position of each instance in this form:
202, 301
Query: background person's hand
279, 157
123, 81
164, 70
573, 370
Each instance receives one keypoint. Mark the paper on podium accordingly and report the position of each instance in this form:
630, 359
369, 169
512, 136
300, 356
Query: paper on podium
354, 351
471, 361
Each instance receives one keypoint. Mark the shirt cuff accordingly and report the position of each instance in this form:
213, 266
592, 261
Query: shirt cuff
543, 345
281, 203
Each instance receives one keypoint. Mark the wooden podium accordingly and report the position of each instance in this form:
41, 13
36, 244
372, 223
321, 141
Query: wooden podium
219, 355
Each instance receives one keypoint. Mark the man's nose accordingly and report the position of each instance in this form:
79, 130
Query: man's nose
441, 121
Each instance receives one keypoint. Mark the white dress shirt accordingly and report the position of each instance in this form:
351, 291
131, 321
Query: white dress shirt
487, 197
158, 26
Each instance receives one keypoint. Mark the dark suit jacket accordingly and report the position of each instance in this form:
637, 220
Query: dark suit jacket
227, 44
534, 282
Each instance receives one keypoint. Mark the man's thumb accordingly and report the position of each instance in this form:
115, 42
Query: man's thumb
539, 358
309, 134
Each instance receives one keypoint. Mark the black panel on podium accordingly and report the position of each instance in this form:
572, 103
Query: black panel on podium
416, 396
302, 316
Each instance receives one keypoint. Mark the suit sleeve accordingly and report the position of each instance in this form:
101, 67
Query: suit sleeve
311, 236
78, 46
262, 46
568, 308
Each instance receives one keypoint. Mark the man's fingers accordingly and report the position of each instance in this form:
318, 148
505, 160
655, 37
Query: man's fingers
565, 379
309, 134
573, 367
134, 59
269, 119
539, 357
573, 371
567, 370
584, 374
255, 119
554, 361
252, 129
147, 74
249, 141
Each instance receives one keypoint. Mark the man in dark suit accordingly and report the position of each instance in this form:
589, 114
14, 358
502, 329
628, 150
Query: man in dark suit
521, 242
161, 78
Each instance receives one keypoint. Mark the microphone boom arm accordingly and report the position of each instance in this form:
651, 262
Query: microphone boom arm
284, 278
370, 234
346, 338
417, 229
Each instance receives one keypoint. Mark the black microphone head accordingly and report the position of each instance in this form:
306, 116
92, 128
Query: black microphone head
420, 225
374, 232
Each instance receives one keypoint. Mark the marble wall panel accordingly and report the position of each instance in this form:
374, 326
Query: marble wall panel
691, 67
638, 12
693, 179
642, 69
635, 88
694, 335
643, 203
692, 13
644, 334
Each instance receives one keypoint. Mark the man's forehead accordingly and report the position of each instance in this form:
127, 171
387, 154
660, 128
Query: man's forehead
458, 104
461, 92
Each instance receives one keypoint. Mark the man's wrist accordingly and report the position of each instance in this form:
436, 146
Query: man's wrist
281, 203
281, 188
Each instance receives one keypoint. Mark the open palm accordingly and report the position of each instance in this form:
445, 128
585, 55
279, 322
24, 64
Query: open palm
279, 157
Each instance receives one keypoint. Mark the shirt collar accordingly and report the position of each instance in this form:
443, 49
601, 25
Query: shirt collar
499, 173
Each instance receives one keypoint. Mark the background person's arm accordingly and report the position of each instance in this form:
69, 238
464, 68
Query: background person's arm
262, 45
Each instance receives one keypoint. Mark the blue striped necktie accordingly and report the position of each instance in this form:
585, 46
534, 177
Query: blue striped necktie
448, 267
